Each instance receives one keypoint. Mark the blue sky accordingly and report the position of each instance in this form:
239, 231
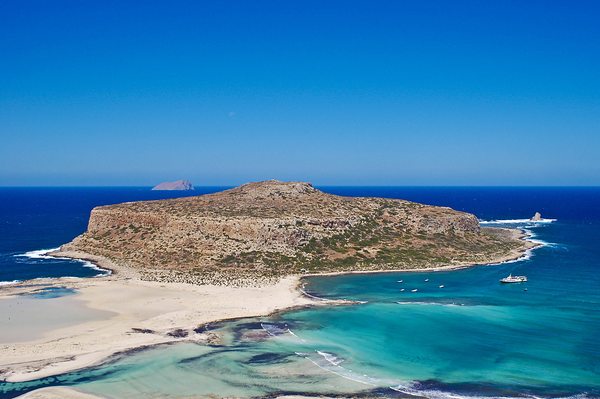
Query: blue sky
331, 92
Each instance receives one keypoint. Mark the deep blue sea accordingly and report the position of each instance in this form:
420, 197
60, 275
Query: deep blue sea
461, 334
36, 219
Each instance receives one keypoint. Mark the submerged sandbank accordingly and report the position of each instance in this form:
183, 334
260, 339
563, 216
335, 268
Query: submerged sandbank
59, 393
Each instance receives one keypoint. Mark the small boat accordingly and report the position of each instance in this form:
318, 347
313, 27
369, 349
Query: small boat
402, 290
399, 281
441, 286
415, 290
513, 279
426, 280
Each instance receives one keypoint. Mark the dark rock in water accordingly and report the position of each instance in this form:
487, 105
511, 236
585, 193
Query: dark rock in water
537, 217
181, 185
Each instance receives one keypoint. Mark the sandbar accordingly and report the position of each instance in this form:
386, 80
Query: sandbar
130, 313
59, 393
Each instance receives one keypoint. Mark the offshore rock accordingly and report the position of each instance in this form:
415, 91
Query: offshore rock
179, 185
537, 217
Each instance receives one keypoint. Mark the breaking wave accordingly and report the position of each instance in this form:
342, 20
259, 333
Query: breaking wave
415, 389
331, 363
518, 221
43, 254
38, 254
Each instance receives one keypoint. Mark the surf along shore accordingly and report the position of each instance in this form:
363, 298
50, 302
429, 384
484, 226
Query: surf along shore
133, 313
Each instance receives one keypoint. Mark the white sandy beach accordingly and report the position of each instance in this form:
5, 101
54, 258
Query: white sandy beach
74, 393
124, 304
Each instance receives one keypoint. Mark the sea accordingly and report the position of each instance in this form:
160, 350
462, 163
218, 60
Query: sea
448, 334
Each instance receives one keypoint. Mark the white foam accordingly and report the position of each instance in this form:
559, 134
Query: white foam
274, 330
527, 254
325, 364
9, 282
517, 221
88, 264
331, 358
291, 332
312, 296
38, 254
437, 394
42, 254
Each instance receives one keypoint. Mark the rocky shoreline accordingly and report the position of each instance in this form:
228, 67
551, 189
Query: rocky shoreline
245, 280
261, 232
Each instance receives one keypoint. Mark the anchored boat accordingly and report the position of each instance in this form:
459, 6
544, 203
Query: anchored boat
514, 279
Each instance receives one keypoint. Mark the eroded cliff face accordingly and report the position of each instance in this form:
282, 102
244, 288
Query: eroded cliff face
277, 228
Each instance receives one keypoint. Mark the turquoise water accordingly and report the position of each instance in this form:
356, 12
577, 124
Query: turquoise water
473, 337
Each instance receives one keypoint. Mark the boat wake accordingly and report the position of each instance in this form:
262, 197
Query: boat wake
430, 303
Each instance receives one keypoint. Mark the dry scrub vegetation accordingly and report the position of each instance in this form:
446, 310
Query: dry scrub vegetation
269, 229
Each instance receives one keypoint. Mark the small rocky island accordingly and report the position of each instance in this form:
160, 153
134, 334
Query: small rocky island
270, 229
179, 185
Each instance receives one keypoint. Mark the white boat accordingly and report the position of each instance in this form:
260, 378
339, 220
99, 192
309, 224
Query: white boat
513, 279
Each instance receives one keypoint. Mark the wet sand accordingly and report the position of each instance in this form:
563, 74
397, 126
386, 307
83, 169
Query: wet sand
29, 317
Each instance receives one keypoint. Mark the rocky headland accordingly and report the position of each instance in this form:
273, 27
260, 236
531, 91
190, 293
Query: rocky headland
239, 253
266, 230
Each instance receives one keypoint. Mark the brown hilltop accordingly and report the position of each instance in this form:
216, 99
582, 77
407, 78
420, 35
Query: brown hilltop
272, 228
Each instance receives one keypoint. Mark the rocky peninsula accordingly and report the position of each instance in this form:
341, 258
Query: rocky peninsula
182, 263
263, 231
